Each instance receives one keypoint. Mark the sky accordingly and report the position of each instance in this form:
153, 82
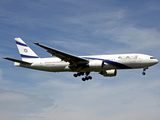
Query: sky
86, 27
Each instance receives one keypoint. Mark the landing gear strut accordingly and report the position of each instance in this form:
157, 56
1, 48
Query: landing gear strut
82, 73
87, 77
144, 69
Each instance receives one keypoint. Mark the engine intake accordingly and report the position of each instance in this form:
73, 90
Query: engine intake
109, 73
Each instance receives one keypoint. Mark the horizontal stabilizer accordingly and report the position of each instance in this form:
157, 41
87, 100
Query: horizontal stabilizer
18, 61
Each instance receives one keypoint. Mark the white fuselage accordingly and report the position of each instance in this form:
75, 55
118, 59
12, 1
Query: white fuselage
117, 61
106, 65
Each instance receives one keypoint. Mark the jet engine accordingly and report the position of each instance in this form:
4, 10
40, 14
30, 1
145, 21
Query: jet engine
96, 64
109, 73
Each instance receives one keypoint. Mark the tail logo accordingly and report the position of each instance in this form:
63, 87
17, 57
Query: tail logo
25, 50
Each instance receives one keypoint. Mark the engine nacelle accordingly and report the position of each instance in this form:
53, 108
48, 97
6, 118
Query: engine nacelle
96, 64
109, 73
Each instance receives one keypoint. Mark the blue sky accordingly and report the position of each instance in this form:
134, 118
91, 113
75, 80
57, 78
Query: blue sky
85, 27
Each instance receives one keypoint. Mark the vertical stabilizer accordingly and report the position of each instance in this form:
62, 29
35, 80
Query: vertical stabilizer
25, 51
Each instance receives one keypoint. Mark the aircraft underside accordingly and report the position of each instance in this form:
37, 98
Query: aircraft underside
107, 70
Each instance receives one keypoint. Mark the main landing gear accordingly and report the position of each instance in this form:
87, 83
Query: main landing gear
144, 69
81, 74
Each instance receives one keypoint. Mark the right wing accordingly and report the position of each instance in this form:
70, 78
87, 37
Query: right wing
72, 59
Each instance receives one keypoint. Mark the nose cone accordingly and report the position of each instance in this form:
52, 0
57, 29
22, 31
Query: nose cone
151, 61
156, 61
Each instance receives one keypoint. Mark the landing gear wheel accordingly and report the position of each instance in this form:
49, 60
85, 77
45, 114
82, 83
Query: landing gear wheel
83, 79
143, 73
90, 77
86, 78
75, 75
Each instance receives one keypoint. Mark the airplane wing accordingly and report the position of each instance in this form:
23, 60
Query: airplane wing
64, 56
15, 60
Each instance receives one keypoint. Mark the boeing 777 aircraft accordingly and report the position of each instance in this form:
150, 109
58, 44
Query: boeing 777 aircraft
106, 65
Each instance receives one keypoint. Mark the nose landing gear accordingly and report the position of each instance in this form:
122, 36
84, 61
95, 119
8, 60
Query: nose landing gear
144, 69
143, 73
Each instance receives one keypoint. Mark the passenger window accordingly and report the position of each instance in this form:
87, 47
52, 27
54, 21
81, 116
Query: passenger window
128, 57
119, 57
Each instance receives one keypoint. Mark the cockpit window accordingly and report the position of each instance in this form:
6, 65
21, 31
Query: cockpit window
152, 57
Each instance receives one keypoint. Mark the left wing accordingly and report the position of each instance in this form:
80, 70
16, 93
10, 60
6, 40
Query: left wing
72, 59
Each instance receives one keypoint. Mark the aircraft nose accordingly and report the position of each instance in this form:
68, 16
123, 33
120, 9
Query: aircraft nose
156, 61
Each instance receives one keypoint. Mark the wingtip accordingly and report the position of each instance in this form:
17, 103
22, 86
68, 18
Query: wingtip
7, 58
4, 57
36, 43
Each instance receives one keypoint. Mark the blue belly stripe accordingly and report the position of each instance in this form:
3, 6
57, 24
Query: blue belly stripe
119, 65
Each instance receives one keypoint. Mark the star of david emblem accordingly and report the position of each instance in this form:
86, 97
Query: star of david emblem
25, 50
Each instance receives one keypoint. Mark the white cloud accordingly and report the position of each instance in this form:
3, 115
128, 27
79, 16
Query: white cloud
106, 29
16, 105
137, 38
97, 100
0, 75
78, 47
3, 82
97, 19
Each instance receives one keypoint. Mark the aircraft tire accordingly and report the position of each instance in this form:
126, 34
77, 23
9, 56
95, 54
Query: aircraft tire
75, 75
83, 79
90, 77
143, 73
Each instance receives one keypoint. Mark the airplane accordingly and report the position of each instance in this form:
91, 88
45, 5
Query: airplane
106, 65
